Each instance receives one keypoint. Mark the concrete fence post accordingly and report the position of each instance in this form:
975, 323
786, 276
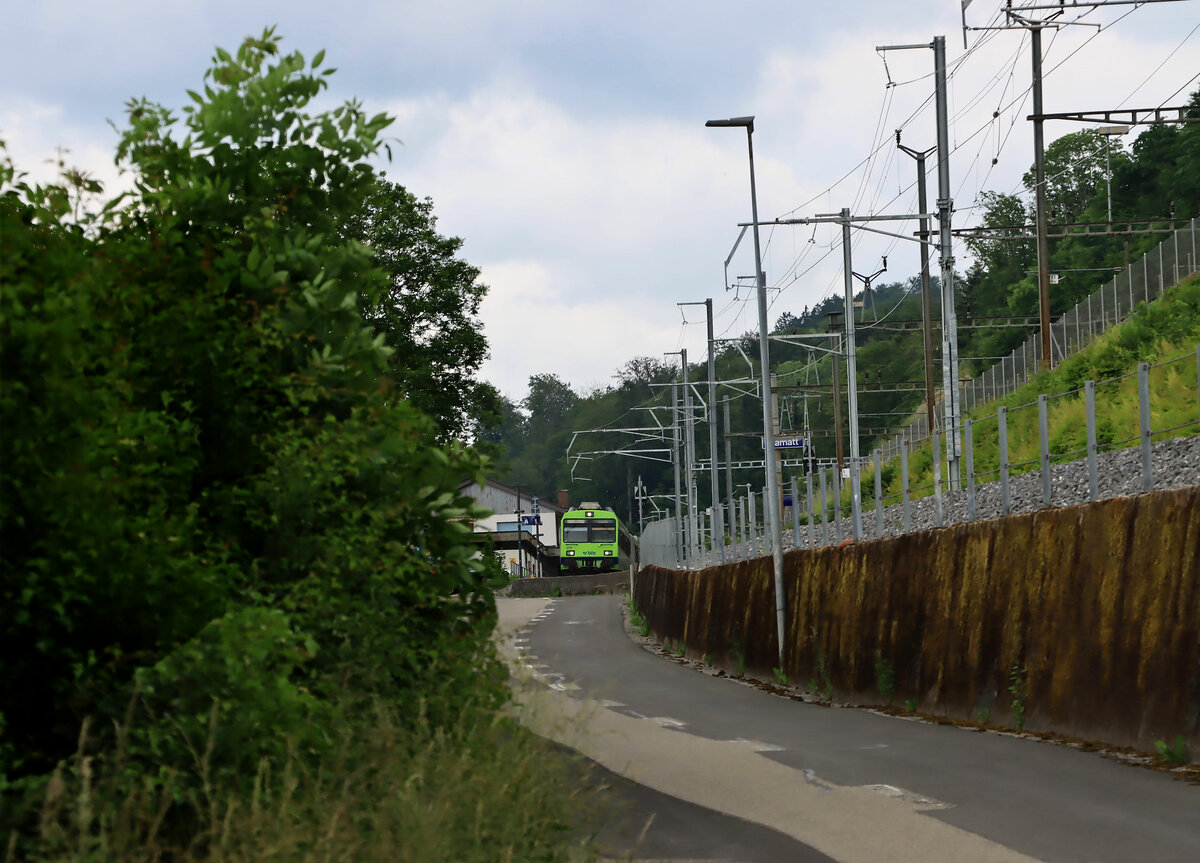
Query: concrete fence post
1147, 431
1044, 439
937, 479
1089, 401
878, 498
1002, 419
969, 456
1146, 276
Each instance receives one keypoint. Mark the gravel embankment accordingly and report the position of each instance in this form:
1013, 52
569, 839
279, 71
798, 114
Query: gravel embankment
1176, 464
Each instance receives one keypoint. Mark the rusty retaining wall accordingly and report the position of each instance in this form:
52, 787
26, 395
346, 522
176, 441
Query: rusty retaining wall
1093, 611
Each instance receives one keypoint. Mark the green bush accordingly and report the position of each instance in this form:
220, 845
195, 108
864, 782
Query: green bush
228, 697
229, 537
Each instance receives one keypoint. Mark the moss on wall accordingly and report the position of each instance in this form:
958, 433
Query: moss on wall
1093, 611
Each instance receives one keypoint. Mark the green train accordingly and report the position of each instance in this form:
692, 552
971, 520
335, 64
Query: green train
590, 540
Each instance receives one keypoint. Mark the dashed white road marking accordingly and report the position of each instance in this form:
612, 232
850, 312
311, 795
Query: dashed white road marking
811, 777
667, 722
758, 745
908, 796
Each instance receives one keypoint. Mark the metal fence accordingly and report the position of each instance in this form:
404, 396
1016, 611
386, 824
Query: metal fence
1060, 449
1174, 260
819, 518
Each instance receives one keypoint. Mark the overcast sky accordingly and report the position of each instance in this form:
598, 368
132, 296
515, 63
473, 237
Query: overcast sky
564, 141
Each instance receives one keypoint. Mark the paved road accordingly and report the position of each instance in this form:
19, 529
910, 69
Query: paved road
850, 784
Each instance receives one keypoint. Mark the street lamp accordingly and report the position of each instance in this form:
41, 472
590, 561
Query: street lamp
774, 498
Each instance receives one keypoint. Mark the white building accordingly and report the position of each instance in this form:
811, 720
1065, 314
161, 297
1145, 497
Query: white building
531, 551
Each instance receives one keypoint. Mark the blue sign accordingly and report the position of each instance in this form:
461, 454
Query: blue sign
531, 519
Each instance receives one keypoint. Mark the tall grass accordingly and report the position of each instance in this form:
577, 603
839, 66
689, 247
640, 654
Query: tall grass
482, 789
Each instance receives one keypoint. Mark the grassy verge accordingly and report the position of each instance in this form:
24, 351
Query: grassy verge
479, 790
1167, 329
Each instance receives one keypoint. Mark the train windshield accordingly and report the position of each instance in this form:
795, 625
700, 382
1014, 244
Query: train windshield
575, 530
604, 530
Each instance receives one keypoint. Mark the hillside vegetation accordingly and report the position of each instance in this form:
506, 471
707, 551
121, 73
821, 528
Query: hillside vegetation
1164, 333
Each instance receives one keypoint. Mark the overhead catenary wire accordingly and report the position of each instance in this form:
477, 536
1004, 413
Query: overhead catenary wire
1011, 105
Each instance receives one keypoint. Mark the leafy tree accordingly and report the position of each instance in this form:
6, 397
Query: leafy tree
199, 426
788, 321
643, 371
1075, 169
429, 311
1002, 257
548, 402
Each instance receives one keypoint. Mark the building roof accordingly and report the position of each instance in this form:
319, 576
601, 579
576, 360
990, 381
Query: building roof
543, 503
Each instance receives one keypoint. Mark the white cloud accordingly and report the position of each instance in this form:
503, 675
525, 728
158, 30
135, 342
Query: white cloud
564, 141
36, 135
535, 326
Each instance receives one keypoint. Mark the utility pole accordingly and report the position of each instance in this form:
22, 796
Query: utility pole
837, 399
717, 515
951, 395
926, 288
1108, 132
728, 460
776, 428
535, 509
718, 510
679, 536
1018, 20
520, 538
846, 221
689, 458
1039, 173
851, 378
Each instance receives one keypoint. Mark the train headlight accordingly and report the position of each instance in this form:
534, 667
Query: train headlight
570, 552
608, 552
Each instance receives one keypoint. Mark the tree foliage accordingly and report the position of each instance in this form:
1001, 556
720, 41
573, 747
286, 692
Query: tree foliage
428, 311
219, 491
1075, 168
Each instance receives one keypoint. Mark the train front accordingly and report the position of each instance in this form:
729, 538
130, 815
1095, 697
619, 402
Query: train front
589, 540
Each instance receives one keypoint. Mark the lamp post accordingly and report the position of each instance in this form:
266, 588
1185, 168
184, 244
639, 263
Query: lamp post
773, 493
